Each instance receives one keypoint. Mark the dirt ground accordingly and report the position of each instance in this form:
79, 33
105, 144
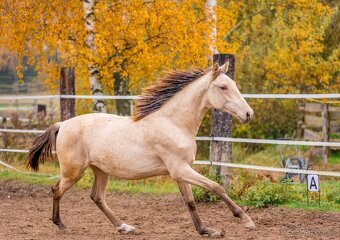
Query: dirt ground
25, 212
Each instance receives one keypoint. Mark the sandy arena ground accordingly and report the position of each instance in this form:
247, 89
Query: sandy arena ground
25, 212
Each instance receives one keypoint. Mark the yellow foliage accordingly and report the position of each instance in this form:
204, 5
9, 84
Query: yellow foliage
278, 44
134, 38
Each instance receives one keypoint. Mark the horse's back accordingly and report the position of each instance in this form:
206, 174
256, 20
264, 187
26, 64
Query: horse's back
86, 132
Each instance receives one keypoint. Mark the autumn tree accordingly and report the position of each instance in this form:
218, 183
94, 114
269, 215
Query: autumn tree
288, 46
123, 40
281, 47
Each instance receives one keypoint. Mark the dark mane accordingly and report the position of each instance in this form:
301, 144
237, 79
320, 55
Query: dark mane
155, 96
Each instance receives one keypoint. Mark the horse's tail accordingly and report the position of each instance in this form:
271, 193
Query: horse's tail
42, 147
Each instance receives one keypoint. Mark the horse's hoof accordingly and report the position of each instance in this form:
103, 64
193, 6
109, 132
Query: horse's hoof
60, 224
210, 232
249, 225
125, 228
62, 227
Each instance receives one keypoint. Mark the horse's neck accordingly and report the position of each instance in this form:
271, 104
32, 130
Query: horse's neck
188, 107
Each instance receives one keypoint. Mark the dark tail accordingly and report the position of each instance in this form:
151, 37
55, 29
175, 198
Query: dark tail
42, 147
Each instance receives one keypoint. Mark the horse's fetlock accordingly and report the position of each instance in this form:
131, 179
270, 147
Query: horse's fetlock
56, 221
238, 213
95, 199
201, 230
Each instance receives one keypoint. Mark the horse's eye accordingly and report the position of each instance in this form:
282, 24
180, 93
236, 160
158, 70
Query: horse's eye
224, 88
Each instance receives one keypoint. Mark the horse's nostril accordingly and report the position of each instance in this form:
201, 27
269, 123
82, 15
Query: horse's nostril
248, 116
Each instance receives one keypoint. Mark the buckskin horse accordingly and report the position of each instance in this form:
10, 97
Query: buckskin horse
159, 139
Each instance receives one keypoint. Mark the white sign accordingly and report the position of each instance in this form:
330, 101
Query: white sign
313, 183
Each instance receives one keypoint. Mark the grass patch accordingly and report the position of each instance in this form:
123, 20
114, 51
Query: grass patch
334, 158
27, 178
324, 206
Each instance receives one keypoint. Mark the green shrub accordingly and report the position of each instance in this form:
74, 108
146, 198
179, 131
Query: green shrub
333, 196
265, 193
241, 181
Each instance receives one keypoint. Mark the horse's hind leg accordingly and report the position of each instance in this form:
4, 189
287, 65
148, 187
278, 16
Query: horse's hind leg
64, 184
98, 196
189, 200
187, 174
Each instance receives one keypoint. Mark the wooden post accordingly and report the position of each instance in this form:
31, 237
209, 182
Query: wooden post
325, 132
121, 88
300, 122
67, 87
41, 115
221, 126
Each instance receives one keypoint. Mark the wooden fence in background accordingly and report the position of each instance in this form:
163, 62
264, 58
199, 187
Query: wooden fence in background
320, 122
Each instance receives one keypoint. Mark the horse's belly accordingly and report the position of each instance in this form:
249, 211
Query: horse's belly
131, 168
133, 174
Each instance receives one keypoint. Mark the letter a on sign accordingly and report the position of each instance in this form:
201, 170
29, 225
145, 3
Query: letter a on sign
313, 183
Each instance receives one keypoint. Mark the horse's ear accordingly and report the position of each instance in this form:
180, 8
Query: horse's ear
216, 70
225, 67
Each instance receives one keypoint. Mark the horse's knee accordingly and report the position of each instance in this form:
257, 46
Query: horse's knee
216, 188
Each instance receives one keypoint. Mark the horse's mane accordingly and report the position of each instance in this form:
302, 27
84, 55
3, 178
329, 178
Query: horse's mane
155, 96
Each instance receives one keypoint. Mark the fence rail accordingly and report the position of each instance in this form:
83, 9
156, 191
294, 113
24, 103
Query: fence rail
107, 97
231, 165
220, 139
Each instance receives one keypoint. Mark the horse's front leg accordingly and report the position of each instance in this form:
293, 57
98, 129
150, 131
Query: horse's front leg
187, 174
188, 198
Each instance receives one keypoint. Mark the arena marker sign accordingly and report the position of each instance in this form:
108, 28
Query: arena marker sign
313, 185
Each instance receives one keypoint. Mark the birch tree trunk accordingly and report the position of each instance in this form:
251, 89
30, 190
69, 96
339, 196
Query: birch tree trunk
210, 5
221, 123
96, 87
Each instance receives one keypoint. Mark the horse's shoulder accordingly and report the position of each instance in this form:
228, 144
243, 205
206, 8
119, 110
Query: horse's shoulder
175, 140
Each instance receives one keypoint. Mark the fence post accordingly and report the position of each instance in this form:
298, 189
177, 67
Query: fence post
221, 126
41, 115
325, 132
301, 120
67, 87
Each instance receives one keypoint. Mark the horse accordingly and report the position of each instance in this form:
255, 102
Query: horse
158, 139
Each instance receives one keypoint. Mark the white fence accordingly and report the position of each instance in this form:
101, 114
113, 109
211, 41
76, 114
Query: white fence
249, 96
204, 138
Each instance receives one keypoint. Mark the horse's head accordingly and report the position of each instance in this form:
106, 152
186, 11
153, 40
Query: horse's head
224, 95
